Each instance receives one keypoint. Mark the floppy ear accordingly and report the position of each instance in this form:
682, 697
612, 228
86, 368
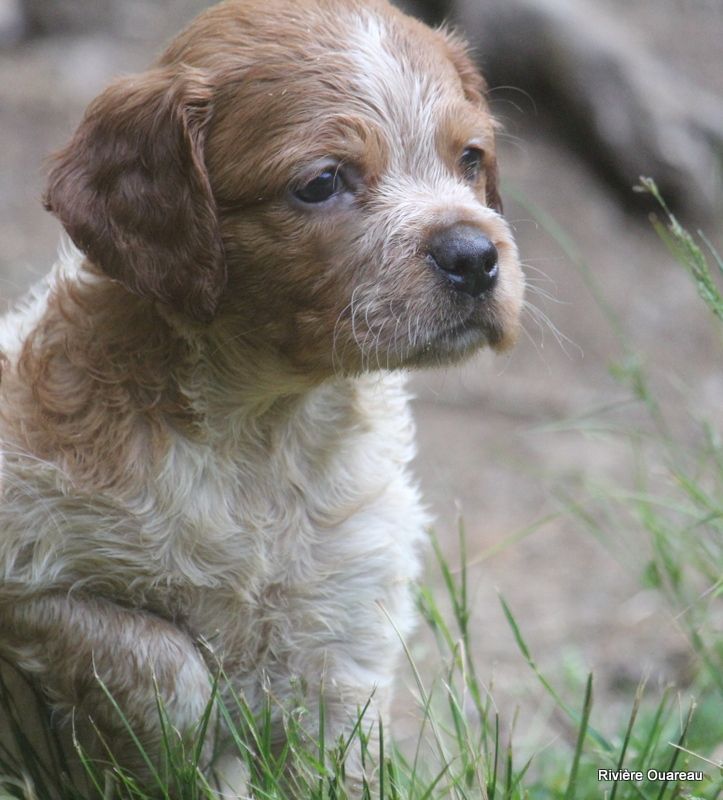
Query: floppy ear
492, 193
132, 190
473, 84
475, 90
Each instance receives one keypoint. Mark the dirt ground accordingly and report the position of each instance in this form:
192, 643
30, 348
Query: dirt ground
492, 441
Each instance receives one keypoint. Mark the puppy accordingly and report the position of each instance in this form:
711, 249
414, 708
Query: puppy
205, 429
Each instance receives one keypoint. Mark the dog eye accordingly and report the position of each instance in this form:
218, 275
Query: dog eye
470, 163
322, 187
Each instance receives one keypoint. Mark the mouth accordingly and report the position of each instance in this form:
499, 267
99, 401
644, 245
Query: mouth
456, 342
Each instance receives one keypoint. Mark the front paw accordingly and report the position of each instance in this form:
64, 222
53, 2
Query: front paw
229, 778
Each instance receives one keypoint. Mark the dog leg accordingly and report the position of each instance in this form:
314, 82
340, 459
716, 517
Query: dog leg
83, 651
230, 778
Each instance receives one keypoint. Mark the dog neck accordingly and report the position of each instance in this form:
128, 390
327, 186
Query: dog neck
106, 384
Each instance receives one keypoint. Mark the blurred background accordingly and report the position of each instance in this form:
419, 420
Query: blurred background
542, 455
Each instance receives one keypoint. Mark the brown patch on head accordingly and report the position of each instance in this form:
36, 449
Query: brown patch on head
475, 89
132, 191
473, 84
492, 192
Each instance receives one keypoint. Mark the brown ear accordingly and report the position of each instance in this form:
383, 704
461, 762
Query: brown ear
492, 193
475, 90
473, 84
132, 190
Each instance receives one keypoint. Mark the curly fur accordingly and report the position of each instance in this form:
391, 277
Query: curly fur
205, 430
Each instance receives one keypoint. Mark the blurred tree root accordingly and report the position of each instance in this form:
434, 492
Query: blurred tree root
623, 110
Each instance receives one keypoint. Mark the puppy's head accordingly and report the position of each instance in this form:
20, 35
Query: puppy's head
317, 177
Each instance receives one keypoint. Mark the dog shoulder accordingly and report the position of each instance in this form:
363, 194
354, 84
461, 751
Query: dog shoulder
25, 314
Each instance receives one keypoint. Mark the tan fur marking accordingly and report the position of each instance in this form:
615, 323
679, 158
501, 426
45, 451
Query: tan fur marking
96, 386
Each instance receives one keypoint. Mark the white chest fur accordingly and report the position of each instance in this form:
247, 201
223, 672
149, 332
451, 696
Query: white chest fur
296, 543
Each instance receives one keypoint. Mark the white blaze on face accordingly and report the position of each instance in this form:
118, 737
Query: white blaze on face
409, 103
404, 85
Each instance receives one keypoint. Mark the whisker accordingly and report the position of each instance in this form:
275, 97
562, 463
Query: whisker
510, 88
543, 321
532, 265
540, 292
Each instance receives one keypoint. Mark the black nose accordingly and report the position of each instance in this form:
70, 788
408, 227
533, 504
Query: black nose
467, 258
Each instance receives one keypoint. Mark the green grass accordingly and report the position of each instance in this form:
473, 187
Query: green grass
460, 751
465, 748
